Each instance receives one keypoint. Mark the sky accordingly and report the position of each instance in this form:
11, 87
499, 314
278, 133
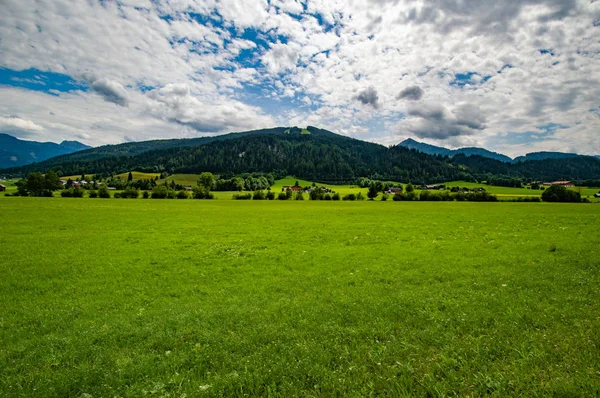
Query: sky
511, 76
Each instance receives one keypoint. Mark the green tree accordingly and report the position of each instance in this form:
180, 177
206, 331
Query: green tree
558, 193
409, 187
130, 177
206, 180
52, 181
372, 194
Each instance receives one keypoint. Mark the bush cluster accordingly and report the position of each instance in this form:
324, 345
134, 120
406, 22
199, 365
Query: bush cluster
353, 197
72, 193
242, 196
200, 192
558, 193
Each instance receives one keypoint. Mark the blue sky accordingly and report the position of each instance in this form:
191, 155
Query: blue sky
518, 78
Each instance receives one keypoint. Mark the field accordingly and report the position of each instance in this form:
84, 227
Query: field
504, 193
341, 189
183, 179
120, 298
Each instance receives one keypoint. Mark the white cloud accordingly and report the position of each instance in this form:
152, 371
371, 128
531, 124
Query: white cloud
16, 123
175, 75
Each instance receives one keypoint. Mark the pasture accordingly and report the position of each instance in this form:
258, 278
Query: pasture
504, 193
174, 298
183, 179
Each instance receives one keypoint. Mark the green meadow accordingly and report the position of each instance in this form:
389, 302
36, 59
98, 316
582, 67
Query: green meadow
187, 298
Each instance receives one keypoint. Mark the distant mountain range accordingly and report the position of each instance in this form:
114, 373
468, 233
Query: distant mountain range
15, 152
314, 154
470, 151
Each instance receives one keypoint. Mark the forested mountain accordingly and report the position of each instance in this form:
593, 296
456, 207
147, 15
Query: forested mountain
468, 151
545, 155
320, 155
15, 152
569, 168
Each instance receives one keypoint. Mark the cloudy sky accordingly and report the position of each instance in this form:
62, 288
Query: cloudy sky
513, 76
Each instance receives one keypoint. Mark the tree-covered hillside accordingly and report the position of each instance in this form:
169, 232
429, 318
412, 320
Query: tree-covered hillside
320, 155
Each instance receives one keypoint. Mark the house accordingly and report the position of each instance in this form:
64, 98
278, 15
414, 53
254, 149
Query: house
63, 182
437, 186
2, 188
597, 195
188, 188
293, 188
566, 184
394, 190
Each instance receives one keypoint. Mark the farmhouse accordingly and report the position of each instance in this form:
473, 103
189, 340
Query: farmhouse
567, 184
2, 188
293, 188
438, 187
394, 190
597, 195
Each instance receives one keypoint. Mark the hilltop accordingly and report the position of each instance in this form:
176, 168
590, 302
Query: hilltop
311, 153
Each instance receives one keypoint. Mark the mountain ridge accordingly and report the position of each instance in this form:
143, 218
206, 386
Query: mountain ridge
470, 151
311, 153
15, 152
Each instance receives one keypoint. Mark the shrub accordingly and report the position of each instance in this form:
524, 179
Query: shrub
398, 197
327, 197
159, 192
73, 193
170, 194
117, 195
558, 193
131, 193
242, 196
336, 196
270, 195
103, 193
201, 193
299, 195
258, 195
385, 197
282, 196
360, 196
145, 195
350, 196
93, 194
182, 195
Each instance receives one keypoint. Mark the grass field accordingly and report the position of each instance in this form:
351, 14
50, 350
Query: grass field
120, 298
183, 179
507, 191
138, 175
342, 189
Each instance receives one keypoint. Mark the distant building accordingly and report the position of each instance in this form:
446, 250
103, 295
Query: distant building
394, 190
2, 188
597, 195
567, 184
293, 188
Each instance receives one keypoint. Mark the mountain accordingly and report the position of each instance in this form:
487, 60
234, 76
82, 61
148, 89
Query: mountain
16, 152
468, 151
311, 153
425, 148
320, 155
545, 155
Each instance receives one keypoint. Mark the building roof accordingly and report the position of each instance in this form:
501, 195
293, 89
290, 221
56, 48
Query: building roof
2, 186
562, 183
